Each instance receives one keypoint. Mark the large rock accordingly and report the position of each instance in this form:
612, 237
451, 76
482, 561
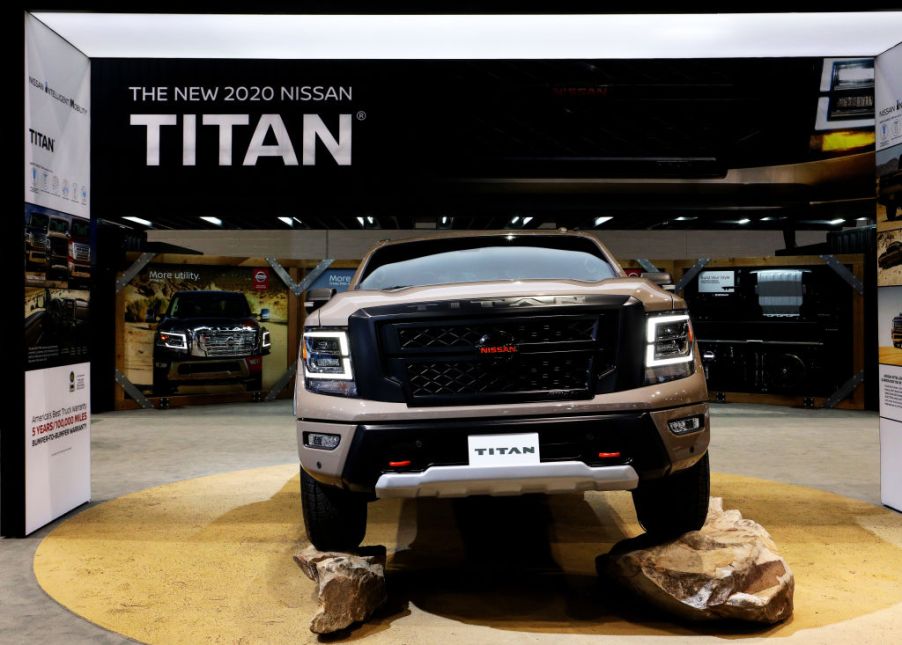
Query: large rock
728, 569
351, 586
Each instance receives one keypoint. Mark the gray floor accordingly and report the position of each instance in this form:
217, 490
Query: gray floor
833, 450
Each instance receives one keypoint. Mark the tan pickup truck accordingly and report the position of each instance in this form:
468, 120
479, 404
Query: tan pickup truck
501, 363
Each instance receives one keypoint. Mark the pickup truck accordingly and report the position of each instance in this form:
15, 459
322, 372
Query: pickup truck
208, 337
499, 364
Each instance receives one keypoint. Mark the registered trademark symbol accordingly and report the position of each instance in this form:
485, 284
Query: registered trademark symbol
361, 115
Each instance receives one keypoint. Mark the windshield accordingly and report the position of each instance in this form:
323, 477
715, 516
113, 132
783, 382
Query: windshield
500, 259
80, 229
38, 220
59, 225
223, 304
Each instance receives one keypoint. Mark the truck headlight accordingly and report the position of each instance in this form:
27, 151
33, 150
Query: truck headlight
326, 356
669, 349
174, 340
265, 341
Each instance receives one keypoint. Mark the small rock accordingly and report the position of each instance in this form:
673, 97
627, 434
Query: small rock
350, 586
728, 569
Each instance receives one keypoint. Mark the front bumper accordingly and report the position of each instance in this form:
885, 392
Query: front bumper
569, 447
210, 371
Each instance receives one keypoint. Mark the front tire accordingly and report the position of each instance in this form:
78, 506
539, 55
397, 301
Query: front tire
335, 518
677, 504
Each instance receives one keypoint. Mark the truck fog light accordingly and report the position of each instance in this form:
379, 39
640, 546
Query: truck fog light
322, 440
685, 426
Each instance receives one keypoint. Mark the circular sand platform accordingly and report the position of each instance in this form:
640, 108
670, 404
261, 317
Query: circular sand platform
209, 560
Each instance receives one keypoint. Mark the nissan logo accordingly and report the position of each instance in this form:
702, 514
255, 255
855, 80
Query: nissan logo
497, 344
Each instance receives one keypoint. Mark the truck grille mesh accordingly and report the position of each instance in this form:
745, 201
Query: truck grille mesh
521, 332
529, 374
227, 342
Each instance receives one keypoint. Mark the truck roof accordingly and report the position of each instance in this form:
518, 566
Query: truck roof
454, 239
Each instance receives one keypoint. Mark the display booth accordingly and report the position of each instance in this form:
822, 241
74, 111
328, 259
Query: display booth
208, 141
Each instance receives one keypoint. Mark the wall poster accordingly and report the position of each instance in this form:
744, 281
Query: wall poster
888, 113
201, 329
58, 258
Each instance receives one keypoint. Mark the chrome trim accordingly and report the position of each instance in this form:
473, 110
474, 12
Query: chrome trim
549, 477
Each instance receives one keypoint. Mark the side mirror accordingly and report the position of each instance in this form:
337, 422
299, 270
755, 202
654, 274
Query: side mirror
316, 298
658, 277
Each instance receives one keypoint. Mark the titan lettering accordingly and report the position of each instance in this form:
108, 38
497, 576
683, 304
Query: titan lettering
269, 127
532, 301
525, 450
41, 140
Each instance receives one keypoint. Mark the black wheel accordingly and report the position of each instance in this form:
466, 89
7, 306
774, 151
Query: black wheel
255, 384
335, 518
674, 505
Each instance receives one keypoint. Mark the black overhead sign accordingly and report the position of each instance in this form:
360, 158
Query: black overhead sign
204, 137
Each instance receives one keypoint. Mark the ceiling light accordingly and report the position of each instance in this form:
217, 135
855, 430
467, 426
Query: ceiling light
858, 219
212, 220
766, 219
298, 221
287, 221
744, 220
684, 218
515, 219
444, 221
137, 220
838, 220
370, 220
360, 219
526, 220
601, 220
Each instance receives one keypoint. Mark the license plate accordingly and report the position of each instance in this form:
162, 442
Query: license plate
503, 449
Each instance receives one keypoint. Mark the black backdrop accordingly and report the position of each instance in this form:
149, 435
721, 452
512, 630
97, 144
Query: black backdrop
429, 123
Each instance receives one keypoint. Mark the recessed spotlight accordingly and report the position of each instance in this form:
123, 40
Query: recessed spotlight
838, 220
444, 221
370, 220
684, 218
138, 220
526, 220
861, 219
212, 220
360, 219
515, 219
601, 220
287, 221
766, 219
744, 220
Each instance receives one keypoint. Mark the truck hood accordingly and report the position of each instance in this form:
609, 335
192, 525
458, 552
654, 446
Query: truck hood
337, 311
194, 323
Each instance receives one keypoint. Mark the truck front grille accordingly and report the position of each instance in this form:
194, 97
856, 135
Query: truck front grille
81, 253
498, 358
227, 342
